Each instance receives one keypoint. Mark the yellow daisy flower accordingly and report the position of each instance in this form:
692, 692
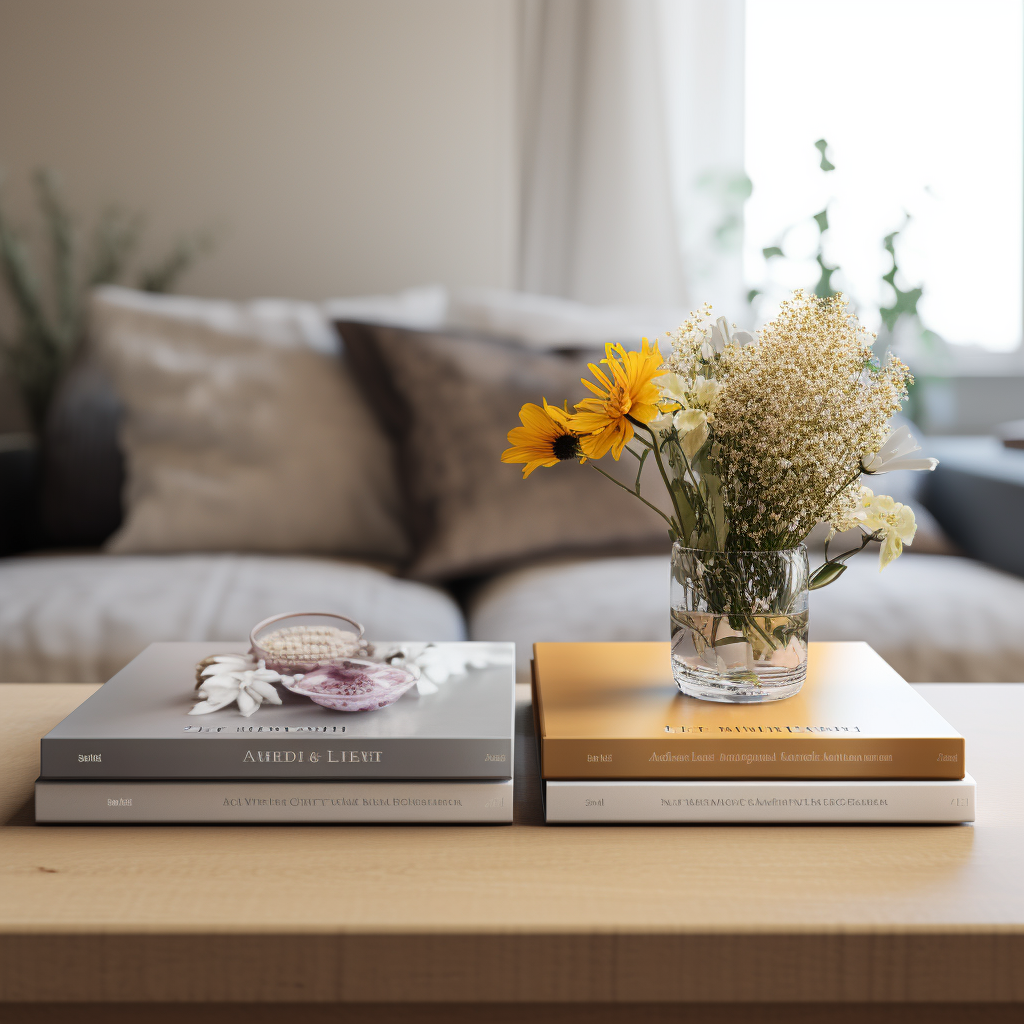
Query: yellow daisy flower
544, 439
630, 392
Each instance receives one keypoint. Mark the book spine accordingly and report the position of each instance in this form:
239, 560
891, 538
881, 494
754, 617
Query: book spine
107, 801
798, 756
782, 802
274, 755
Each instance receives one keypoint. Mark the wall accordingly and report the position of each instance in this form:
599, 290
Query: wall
338, 146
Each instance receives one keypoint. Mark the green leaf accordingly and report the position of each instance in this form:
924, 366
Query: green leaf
825, 574
772, 250
823, 289
821, 219
826, 165
730, 640
60, 229
162, 276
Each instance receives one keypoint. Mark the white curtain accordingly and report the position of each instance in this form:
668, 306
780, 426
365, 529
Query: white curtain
631, 129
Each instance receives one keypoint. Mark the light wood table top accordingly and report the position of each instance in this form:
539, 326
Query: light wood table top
520, 913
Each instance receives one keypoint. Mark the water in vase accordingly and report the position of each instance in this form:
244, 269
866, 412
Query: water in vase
739, 657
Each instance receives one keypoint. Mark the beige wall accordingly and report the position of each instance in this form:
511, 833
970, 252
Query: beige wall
340, 146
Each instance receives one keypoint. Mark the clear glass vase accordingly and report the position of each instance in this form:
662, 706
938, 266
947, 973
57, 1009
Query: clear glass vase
739, 623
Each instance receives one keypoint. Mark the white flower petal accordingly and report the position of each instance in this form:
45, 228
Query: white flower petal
926, 465
893, 454
215, 688
436, 673
266, 675
265, 690
211, 705
672, 386
694, 440
246, 704
689, 419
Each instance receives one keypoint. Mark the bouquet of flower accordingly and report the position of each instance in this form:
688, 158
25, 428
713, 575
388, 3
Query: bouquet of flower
757, 439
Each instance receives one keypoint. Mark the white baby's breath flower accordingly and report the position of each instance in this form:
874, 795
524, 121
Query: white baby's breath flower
893, 454
794, 415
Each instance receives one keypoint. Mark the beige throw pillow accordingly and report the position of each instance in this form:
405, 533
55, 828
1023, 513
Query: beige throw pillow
243, 431
449, 401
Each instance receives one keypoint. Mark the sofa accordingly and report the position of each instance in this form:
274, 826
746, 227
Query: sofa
207, 465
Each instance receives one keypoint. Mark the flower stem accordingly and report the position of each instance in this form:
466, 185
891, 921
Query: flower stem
655, 447
636, 494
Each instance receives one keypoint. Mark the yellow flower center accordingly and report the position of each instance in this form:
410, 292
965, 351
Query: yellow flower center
619, 402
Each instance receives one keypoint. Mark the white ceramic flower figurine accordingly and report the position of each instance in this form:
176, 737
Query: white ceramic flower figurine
236, 678
893, 454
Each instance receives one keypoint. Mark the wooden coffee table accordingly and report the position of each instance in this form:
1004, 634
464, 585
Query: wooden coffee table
503, 923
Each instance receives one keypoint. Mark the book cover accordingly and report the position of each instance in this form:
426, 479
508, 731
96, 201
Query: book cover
137, 726
612, 711
225, 802
791, 801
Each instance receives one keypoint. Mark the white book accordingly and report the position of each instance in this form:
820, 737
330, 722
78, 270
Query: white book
110, 801
760, 801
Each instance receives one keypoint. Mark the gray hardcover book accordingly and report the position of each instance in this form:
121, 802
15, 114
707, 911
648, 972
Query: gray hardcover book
225, 802
137, 726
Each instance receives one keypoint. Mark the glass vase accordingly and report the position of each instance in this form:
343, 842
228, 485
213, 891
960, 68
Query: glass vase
739, 623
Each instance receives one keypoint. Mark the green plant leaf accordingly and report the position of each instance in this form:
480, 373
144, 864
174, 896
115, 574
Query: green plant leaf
60, 228
825, 574
165, 273
826, 165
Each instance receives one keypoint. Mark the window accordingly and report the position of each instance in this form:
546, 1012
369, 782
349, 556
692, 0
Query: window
920, 102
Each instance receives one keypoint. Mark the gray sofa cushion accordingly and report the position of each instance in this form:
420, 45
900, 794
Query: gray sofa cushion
934, 618
82, 466
448, 401
977, 494
80, 618
571, 599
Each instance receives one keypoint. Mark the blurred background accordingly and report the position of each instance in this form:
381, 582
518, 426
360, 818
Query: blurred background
649, 152
561, 171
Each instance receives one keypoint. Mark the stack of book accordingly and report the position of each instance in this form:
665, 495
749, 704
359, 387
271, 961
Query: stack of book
619, 743
131, 752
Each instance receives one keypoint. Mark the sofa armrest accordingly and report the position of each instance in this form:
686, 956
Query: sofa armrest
19, 493
977, 496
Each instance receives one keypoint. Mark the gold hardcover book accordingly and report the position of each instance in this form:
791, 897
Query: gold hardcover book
612, 711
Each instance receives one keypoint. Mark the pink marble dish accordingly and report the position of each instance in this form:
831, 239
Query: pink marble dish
353, 685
